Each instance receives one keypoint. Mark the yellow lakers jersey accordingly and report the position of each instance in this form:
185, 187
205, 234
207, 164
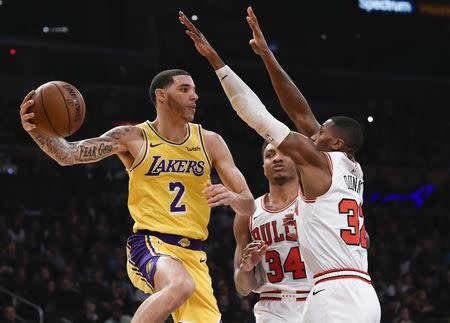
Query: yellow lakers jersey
166, 184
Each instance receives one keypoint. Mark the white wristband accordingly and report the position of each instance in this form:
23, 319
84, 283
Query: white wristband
250, 108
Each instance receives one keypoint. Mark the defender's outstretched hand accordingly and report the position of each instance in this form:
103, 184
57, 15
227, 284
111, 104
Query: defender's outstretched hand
258, 42
201, 43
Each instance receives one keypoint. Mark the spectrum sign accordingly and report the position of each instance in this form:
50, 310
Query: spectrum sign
388, 6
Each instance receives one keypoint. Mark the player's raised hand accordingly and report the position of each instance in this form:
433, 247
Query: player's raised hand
253, 254
24, 115
258, 42
201, 43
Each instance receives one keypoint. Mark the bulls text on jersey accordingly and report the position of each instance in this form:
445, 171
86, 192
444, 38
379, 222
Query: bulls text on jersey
269, 233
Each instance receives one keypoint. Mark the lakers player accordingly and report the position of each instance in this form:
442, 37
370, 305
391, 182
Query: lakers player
330, 224
170, 196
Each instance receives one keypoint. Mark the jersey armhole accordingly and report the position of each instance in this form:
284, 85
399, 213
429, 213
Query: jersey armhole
330, 169
142, 153
202, 142
329, 162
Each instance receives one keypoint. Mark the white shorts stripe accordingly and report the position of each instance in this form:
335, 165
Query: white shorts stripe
341, 274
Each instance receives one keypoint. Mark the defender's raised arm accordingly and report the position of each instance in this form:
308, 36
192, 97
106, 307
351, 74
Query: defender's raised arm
250, 109
291, 99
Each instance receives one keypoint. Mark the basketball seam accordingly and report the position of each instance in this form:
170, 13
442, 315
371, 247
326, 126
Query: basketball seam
65, 103
84, 105
45, 111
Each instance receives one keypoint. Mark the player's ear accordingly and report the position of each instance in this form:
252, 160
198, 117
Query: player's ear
160, 95
337, 144
264, 170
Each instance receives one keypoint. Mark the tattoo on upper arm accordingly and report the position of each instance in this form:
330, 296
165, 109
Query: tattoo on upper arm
99, 148
95, 149
118, 132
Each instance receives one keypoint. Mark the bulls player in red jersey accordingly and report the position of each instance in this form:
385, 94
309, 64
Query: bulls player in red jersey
271, 264
330, 222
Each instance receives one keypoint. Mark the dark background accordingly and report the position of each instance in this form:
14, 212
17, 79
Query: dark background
65, 229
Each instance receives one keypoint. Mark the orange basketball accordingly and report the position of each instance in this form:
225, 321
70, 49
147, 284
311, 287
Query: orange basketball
59, 108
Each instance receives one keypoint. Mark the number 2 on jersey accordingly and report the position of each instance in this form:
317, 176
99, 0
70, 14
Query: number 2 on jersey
353, 236
176, 206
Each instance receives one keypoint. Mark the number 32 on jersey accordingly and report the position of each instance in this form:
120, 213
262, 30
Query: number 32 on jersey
353, 235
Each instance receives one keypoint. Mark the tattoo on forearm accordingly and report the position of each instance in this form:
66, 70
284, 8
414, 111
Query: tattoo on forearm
89, 150
55, 147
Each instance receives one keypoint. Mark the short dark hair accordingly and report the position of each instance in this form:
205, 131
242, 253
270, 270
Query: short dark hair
351, 132
163, 79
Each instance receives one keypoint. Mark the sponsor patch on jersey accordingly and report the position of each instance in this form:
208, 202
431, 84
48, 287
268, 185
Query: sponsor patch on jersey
193, 148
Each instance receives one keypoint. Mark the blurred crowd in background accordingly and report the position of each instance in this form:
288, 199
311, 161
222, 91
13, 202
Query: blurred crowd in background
70, 260
63, 231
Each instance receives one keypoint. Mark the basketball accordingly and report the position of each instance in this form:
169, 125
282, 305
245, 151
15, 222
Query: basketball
59, 108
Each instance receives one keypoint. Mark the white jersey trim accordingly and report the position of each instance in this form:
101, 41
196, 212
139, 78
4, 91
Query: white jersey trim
263, 206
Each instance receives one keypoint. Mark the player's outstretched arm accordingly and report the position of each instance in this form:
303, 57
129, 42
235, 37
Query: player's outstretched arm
250, 109
291, 99
234, 191
243, 100
69, 153
247, 254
